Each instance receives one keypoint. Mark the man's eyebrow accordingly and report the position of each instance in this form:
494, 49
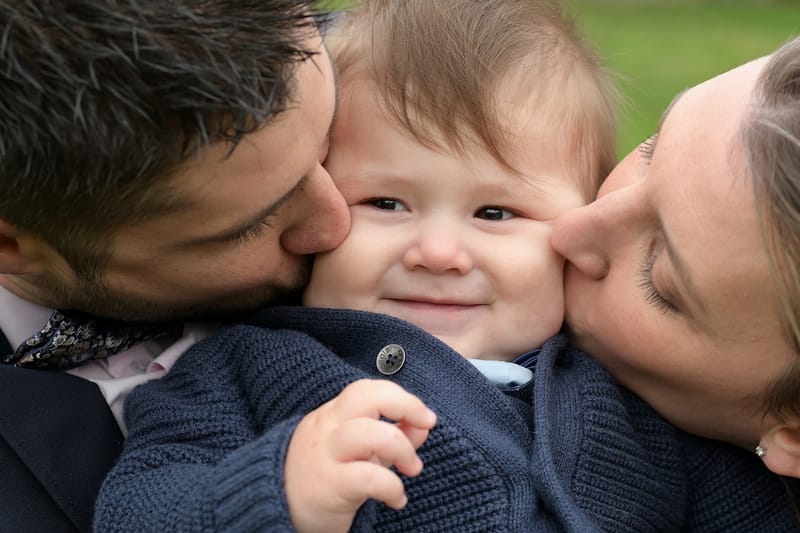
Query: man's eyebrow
682, 270
335, 71
253, 222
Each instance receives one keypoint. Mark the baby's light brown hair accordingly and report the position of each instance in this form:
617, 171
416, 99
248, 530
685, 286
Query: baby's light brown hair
440, 65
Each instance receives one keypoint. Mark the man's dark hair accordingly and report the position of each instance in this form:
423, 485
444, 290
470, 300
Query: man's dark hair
101, 100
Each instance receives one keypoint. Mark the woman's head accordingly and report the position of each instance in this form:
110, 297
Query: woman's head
682, 276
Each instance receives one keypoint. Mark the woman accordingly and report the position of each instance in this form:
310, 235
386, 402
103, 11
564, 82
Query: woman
682, 278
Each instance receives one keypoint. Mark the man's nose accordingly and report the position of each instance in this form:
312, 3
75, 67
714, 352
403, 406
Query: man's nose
322, 218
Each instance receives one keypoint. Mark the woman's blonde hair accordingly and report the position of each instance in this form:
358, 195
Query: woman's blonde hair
772, 144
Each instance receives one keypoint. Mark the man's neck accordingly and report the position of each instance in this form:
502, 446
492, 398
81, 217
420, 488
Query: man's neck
22, 287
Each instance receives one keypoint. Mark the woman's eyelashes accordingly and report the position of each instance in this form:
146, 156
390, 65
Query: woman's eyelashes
645, 282
648, 147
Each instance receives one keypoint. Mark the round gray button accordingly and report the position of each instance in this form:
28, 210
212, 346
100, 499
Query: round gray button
390, 359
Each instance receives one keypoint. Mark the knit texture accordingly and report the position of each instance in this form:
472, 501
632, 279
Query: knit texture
207, 443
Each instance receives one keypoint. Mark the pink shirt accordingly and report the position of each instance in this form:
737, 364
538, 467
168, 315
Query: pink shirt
117, 375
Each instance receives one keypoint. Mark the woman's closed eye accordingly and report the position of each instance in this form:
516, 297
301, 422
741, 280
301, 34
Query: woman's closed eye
652, 295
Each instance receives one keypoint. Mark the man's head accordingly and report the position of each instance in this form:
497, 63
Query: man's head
162, 159
460, 137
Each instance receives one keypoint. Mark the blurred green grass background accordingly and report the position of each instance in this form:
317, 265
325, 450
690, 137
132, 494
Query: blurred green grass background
657, 48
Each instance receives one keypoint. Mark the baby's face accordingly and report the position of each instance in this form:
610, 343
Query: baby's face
459, 247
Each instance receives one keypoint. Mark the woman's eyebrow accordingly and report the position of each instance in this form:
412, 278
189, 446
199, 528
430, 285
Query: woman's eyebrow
653, 140
667, 111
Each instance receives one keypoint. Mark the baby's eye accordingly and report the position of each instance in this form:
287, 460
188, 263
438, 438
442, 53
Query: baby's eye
388, 204
493, 213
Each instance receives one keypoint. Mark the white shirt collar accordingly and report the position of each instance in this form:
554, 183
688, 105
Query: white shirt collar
19, 318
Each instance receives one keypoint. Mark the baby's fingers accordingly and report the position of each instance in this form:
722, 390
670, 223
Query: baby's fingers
364, 439
415, 435
380, 398
363, 480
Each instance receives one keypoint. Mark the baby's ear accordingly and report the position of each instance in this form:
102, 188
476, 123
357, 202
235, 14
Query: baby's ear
781, 447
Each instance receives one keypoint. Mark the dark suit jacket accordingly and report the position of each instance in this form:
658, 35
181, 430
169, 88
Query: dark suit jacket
58, 438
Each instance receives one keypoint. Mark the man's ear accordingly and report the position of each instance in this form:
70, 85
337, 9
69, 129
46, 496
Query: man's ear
781, 446
20, 252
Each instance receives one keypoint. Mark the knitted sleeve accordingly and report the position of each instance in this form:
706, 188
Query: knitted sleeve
732, 490
207, 442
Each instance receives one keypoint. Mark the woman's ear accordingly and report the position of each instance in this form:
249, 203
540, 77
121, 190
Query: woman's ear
20, 252
781, 449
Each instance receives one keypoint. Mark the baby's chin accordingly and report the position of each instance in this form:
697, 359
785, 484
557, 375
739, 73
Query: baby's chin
469, 348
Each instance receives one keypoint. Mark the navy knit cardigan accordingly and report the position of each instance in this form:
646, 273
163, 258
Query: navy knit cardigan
571, 452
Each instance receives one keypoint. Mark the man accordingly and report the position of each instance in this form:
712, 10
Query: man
160, 162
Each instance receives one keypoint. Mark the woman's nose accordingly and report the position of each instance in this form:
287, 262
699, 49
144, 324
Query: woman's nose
589, 236
575, 237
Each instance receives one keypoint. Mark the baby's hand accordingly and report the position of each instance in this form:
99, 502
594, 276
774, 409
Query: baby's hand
339, 454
